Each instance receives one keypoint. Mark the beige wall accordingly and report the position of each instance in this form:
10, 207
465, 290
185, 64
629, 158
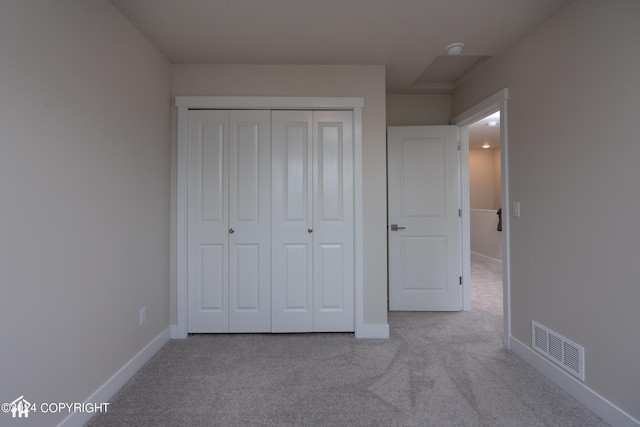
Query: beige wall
418, 110
481, 176
484, 195
84, 184
367, 81
573, 129
485, 182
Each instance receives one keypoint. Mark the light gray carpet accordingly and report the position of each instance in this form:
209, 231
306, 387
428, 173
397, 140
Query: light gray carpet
437, 369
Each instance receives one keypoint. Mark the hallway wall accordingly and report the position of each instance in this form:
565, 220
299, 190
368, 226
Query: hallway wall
484, 193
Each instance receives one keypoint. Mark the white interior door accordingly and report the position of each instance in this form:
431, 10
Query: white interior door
312, 217
229, 172
292, 221
333, 221
425, 255
270, 221
208, 221
249, 221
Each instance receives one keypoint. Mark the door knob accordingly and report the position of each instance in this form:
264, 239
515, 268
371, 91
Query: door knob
310, 230
394, 227
231, 231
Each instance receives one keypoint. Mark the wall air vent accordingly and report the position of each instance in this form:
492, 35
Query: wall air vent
558, 349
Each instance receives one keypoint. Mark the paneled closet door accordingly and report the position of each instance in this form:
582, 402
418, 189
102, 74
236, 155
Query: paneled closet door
249, 221
312, 221
333, 229
229, 221
292, 221
208, 221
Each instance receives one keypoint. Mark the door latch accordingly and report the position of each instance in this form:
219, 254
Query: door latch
394, 227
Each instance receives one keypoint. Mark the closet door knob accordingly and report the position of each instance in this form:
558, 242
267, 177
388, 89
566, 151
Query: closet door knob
310, 230
231, 231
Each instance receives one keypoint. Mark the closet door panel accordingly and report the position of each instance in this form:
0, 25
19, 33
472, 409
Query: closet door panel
211, 292
249, 221
292, 222
208, 222
330, 281
333, 228
330, 174
296, 170
297, 263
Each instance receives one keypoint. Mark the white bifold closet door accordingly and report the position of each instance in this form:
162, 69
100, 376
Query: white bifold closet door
270, 221
312, 221
229, 221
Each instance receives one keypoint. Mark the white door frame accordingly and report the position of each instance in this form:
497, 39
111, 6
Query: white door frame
496, 102
184, 104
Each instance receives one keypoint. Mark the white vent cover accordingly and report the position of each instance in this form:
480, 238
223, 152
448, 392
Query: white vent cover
558, 349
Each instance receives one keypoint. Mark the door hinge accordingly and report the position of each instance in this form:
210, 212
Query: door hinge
459, 145
460, 213
461, 280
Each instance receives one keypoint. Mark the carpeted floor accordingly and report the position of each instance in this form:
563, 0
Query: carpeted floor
436, 369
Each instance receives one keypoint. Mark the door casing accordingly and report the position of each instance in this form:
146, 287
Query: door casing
495, 102
184, 104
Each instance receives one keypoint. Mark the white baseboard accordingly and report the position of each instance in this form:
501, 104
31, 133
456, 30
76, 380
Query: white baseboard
583, 394
372, 330
119, 379
367, 330
475, 256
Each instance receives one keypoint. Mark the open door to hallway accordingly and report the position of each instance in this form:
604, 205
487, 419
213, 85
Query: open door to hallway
485, 214
425, 250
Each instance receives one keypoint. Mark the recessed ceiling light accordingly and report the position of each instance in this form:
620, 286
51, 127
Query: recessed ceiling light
492, 123
486, 145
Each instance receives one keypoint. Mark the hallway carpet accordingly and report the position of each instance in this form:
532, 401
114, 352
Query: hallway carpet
436, 369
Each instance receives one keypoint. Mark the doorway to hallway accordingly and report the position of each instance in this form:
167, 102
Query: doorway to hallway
485, 214
494, 103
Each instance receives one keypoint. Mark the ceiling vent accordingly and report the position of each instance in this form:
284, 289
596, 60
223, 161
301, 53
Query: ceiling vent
558, 349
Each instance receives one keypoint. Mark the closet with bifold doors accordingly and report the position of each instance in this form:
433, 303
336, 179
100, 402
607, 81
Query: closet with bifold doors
270, 221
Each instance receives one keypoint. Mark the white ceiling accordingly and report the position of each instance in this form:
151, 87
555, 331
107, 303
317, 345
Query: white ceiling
404, 35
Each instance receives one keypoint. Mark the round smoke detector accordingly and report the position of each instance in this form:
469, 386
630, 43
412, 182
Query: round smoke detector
455, 49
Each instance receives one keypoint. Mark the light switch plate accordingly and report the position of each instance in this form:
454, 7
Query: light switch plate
515, 209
